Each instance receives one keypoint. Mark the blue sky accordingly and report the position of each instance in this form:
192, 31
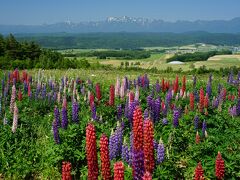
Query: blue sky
52, 11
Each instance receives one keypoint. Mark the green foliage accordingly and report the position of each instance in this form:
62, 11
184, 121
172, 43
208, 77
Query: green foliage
197, 56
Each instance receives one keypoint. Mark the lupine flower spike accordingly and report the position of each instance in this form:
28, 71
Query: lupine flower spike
199, 172
219, 167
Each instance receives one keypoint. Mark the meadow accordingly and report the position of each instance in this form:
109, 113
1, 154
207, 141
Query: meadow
98, 124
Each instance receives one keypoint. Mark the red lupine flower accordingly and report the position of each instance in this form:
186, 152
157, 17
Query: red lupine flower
206, 101
233, 97
138, 129
147, 176
219, 167
66, 170
111, 96
105, 161
91, 100
91, 151
224, 93
16, 75
183, 85
175, 86
24, 76
197, 138
98, 92
199, 172
167, 85
119, 171
191, 99
163, 105
20, 95
148, 146
201, 100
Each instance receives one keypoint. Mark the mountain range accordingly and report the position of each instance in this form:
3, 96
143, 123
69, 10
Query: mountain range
128, 24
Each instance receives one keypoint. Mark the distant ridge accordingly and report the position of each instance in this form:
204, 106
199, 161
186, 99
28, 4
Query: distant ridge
128, 24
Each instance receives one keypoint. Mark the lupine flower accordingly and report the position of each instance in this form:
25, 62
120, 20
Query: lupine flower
204, 127
191, 99
125, 153
209, 89
196, 121
75, 110
158, 87
66, 170
149, 102
146, 114
238, 107
13, 98
138, 129
197, 139
119, 112
20, 95
29, 90
64, 118
206, 101
55, 132
131, 109
176, 115
111, 96
199, 172
94, 112
175, 86
91, 152
201, 100
183, 84
119, 171
15, 118
148, 146
147, 176
57, 116
115, 142
138, 164
157, 109
104, 155
219, 167
117, 87
136, 97
98, 92
164, 121
160, 152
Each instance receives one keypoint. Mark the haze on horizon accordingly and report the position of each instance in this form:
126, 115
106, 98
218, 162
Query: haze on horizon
29, 12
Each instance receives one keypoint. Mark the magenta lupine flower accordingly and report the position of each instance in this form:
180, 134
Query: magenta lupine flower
55, 132
176, 115
75, 110
64, 118
15, 118
13, 98
233, 110
160, 152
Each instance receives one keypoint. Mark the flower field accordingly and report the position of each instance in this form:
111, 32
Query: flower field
138, 128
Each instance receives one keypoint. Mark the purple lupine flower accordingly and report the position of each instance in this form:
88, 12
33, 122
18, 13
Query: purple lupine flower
155, 144
196, 95
209, 89
196, 121
230, 77
55, 132
25, 87
146, 114
44, 91
165, 111
125, 153
158, 87
138, 164
164, 121
119, 112
176, 116
149, 102
119, 134
215, 103
57, 116
233, 110
14, 81
64, 118
54, 97
113, 146
75, 110
238, 76
238, 108
131, 148
160, 152
204, 127
146, 81
219, 88
94, 113
168, 97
